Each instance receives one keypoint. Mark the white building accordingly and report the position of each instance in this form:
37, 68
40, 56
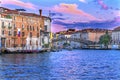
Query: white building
46, 36
76, 36
116, 36
5, 32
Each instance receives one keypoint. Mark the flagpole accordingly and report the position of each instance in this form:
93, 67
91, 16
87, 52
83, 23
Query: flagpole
19, 38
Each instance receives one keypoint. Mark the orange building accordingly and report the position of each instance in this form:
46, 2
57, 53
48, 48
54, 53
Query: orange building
26, 29
93, 34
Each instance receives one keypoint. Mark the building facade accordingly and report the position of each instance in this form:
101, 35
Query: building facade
27, 29
92, 34
5, 31
46, 36
116, 36
75, 42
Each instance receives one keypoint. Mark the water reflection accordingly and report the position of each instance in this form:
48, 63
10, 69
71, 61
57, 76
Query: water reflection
64, 65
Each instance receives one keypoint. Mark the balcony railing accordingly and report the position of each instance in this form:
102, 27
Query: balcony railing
8, 17
9, 27
3, 27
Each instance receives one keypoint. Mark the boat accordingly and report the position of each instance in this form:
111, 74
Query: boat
69, 48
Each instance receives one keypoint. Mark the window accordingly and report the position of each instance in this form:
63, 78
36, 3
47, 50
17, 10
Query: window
2, 32
22, 19
45, 27
9, 42
23, 33
14, 17
33, 28
36, 42
8, 24
14, 26
30, 34
9, 33
28, 28
37, 28
22, 26
37, 34
15, 32
2, 24
30, 42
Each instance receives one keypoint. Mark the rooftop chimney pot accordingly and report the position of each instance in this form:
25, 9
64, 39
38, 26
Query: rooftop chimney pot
40, 12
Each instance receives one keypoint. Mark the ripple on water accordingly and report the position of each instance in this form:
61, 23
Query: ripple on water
64, 65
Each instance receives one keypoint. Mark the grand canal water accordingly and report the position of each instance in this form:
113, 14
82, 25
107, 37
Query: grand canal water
64, 65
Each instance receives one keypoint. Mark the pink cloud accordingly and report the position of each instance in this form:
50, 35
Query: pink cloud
57, 28
19, 3
117, 13
84, 1
117, 19
72, 9
101, 3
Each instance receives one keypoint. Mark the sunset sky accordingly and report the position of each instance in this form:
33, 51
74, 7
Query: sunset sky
77, 14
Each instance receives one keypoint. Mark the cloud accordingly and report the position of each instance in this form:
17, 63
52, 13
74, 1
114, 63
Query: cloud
102, 4
73, 10
58, 18
56, 14
19, 3
57, 28
117, 19
117, 13
93, 24
84, 1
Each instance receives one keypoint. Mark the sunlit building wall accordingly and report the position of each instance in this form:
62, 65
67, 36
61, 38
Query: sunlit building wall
5, 31
27, 29
116, 36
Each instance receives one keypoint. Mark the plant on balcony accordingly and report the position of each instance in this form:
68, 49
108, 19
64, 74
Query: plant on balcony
9, 27
3, 26
46, 45
9, 17
22, 28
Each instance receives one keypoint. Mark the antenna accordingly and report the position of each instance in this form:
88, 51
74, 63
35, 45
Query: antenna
49, 13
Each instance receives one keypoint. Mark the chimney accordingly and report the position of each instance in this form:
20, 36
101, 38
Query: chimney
40, 12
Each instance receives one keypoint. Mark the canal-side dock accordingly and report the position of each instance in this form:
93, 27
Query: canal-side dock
6, 51
48, 50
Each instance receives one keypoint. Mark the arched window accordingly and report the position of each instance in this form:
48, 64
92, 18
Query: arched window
37, 34
9, 43
30, 42
9, 24
33, 28
3, 25
30, 34
27, 27
37, 28
36, 42
30, 28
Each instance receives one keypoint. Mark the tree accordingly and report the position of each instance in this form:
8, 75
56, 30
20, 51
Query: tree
105, 39
66, 44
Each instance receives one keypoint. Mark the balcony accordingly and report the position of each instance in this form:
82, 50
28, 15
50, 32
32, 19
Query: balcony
15, 28
9, 27
23, 29
3, 27
8, 17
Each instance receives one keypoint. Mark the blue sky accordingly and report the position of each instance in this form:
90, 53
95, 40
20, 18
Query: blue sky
77, 14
